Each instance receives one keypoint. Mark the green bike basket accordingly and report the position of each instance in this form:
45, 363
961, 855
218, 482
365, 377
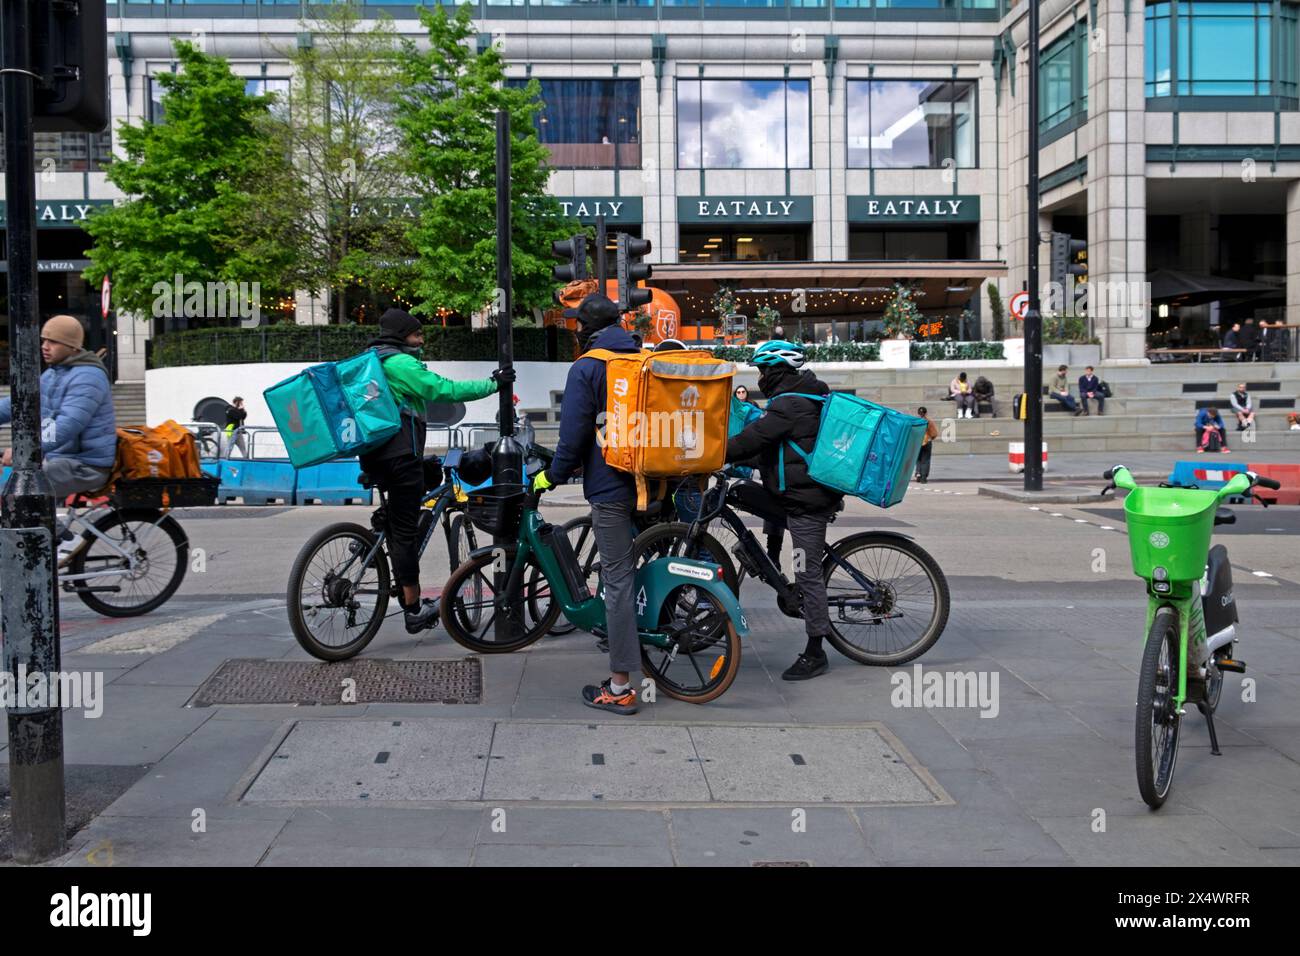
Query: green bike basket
1170, 528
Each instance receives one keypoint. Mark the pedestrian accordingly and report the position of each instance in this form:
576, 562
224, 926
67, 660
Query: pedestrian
960, 391
1243, 407
1060, 391
610, 493
931, 433
742, 395
984, 395
1232, 339
1090, 387
1210, 432
235, 416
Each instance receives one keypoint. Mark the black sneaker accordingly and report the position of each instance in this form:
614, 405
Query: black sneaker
422, 617
602, 697
806, 668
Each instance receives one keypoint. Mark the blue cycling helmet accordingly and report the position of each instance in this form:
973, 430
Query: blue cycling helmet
778, 352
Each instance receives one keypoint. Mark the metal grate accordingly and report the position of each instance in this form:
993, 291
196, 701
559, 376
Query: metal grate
376, 682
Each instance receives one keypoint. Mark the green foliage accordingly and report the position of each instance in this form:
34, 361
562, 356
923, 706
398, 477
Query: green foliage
1067, 330
956, 351
445, 102
997, 312
843, 352
765, 319
330, 343
901, 313
199, 190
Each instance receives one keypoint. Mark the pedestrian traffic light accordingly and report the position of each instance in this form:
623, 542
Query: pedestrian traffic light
1069, 258
69, 53
574, 253
632, 270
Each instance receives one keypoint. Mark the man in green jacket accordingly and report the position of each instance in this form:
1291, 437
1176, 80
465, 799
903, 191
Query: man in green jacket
397, 467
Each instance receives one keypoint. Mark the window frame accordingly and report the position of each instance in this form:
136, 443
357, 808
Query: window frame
634, 84
1073, 43
971, 82
785, 139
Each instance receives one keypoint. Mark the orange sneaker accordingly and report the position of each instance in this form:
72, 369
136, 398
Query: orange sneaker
604, 698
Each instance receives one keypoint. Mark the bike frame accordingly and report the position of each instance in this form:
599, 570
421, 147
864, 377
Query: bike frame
76, 520
1182, 597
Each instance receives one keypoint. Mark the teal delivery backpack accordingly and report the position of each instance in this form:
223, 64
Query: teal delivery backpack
335, 410
742, 414
862, 448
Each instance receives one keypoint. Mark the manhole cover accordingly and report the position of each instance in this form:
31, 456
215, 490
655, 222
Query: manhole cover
373, 681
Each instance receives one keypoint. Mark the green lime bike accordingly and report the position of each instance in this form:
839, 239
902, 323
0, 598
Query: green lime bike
1191, 614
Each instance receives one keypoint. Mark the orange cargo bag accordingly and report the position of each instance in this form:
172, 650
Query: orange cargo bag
666, 414
164, 451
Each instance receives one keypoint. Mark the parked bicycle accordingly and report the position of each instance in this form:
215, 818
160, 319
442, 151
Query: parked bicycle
504, 599
1191, 614
887, 597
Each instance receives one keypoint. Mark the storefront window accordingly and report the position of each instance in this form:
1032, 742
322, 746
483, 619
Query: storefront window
743, 124
1063, 79
69, 152
742, 244
914, 242
911, 124
1198, 48
590, 124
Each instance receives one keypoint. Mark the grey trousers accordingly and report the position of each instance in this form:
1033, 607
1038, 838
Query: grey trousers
808, 536
612, 524
67, 475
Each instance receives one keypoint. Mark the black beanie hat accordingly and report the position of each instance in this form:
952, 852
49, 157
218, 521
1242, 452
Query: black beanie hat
398, 323
596, 312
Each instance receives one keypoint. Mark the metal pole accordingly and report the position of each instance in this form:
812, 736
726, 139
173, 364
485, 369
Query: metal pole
507, 456
601, 239
1033, 317
31, 608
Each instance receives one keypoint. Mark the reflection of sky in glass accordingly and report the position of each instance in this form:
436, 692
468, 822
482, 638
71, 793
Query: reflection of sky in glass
909, 124
741, 124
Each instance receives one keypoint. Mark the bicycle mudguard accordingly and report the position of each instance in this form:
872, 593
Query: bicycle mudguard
656, 580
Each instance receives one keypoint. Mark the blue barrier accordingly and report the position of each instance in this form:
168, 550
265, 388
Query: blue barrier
332, 483
257, 481
1208, 473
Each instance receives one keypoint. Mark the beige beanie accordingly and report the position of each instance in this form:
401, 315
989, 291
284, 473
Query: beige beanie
66, 330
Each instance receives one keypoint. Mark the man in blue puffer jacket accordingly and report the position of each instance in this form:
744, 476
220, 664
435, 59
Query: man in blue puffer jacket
78, 430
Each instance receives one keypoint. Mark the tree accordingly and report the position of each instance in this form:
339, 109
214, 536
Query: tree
339, 129
997, 312
901, 313
198, 188
446, 97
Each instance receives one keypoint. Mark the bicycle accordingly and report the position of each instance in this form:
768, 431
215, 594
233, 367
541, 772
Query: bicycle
1191, 614
505, 598
340, 583
887, 597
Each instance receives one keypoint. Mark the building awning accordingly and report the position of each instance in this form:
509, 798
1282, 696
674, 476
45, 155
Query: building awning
1194, 288
831, 289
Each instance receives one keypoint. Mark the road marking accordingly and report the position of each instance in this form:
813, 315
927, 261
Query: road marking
1035, 508
1057, 514
1106, 527
1261, 574
154, 639
1082, 521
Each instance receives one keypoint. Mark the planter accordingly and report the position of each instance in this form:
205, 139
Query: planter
1013, 350
1071, 355
896, 353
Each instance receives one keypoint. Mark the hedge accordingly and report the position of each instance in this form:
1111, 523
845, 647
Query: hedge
844, 352
956, 351
329, 343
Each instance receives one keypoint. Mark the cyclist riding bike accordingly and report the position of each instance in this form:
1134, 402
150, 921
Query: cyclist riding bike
808, 507
398, 466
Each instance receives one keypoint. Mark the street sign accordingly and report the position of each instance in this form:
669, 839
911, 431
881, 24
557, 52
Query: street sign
104, 291
1020, 305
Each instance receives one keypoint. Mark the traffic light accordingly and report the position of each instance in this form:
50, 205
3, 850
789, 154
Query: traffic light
632, 270
1069, 258
574, 253
69, 52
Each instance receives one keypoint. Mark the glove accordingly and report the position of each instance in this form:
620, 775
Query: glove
541, 482
503, 376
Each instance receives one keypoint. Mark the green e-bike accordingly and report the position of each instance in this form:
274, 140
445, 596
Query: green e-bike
1191, 614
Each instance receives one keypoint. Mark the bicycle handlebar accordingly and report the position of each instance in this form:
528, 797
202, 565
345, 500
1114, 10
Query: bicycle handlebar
1265, 482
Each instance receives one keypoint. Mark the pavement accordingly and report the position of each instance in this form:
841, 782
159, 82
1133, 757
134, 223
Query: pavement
853, 768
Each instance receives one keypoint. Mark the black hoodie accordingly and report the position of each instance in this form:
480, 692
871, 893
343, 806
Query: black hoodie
787, 419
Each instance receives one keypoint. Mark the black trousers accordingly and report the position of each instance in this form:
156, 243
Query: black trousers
923, 462
402, 481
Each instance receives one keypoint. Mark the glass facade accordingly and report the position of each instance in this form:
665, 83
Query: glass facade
911, 124
1063, 79
914, 242
590, 124
743, 124
733, 243
1220, 49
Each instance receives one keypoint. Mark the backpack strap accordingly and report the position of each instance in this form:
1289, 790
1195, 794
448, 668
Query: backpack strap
602, 355
780, 460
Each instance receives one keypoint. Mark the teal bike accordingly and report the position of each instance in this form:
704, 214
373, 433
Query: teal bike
505, 597
1191, 614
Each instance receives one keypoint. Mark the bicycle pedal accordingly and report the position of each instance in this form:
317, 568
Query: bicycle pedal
1227, 664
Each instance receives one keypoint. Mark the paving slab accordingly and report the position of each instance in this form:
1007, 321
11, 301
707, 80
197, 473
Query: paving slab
168, 841
327, 855
351, 828
586, 826
815, 836
1196, 840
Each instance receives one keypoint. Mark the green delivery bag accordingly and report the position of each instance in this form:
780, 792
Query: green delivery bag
335, 410
862, 448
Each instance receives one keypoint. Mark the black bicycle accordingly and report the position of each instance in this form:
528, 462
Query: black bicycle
887, 597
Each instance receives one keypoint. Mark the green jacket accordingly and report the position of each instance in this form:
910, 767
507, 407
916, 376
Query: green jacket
413, 384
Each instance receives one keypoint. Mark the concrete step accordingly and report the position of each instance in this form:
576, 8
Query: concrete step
1264, 444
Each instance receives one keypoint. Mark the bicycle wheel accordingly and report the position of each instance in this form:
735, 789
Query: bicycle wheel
583, 539
671, 540
1158, 723
892, 606
703, 652
469, 611
138, 567
461, 542
336, 597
